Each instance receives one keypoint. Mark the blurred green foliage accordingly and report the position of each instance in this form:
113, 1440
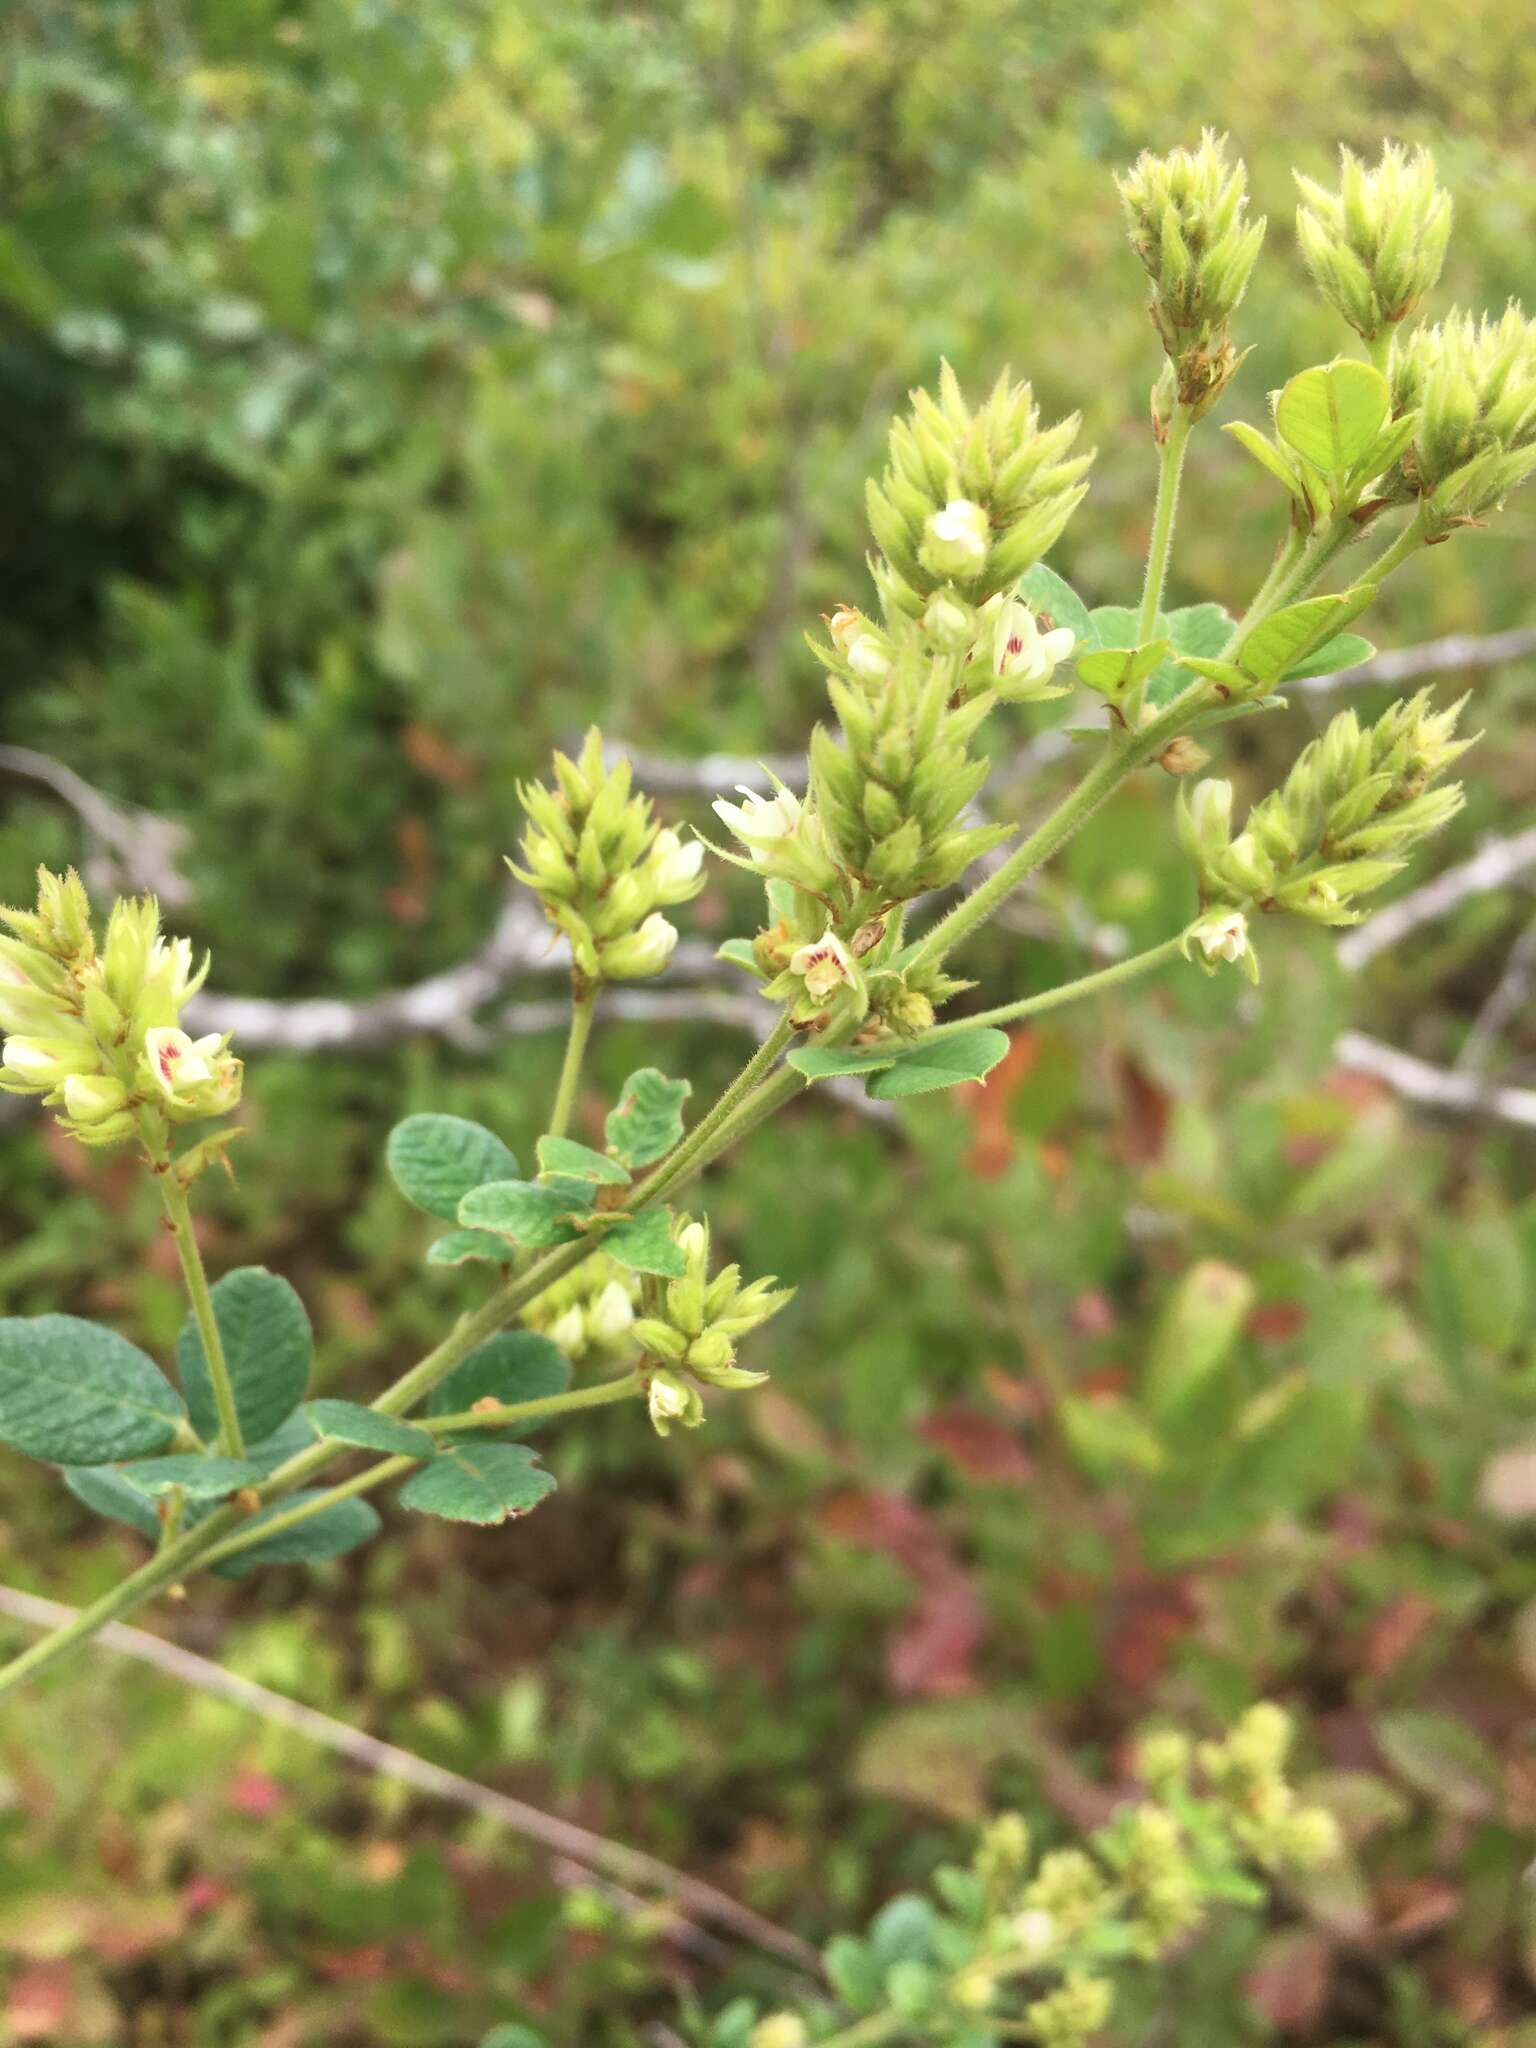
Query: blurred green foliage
385, 390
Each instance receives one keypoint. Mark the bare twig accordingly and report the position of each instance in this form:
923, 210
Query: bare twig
1432, 1087
1508, 997
126, 848
579, 1846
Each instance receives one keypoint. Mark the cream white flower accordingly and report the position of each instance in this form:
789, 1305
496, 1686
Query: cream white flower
569, 1331
1224, 936
1022, 655
949, 624
762, 821
31, 1062
956, 539
693, 1241
824, 965
177, 1062
611, 1314
88, 1098
1035, 1932
675, 865
641, 952
671, 1399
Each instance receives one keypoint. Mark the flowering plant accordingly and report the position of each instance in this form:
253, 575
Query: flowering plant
229, 1465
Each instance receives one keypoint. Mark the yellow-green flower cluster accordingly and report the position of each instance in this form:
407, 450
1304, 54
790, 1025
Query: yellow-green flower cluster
1338, 827
1375, 246
95, 1030
1247, 1770
970, 499
589, 1313
690, 1327
1472, 383
1187, 213
602, 868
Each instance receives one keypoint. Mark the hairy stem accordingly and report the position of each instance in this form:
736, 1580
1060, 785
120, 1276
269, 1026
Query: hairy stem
703, 1134
583, 1003
1097, 983
178, 1214
1170, 470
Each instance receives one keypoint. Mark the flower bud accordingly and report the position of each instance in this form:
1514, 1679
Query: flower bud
671, 1399
1473, 385
642, 952
1187, 217
779, 2030
88, 1098
955, 541
1375, 246
949, 623
675, 867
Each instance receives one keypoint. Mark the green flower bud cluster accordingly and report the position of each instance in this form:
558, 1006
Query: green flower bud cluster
95, 1031
893, 797
970, 499
589, 1313
602, 868
1472, 384
1187, 214
690, 1327
1040, 1954
1341, 823
1375, 246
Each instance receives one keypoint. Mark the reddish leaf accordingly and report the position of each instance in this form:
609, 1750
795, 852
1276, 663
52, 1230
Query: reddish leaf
254, 1794
1093, 1314
933, 1654
993, 1147
984, 1448
1144, 1112
40, 2001
1149, 1617
1289, 1983
1395, 1631
1277, 1322
429, 752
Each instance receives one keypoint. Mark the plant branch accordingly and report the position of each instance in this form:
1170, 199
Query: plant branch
1097, 983
178, 1215
583, 1002
1164, 517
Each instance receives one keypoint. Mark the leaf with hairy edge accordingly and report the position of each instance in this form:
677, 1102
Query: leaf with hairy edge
1044, 591
198, 1478
435, 1160
648, 1119
457, 1247
267, 1347
331, 1533
819, 1063
105, 1492
1343, 651
1333, 415
565, 1159
528, 1214
514, 1366
484, 1483
77, 1394
350, 1423
1264, 451
644, 1244
968, 1056
1280, 643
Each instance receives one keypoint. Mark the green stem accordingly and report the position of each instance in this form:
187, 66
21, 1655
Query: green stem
513, 1413
880, 2026
178, 1214
703, 1134
583, 1002
274, 1525
1098, 983
1170, 469
1379, 349
1408, 542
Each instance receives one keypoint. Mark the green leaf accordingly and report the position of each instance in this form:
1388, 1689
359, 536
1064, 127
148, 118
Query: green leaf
1198, 632
283, 1444
350, 1423
566, 1158
644, 1244
1344, 650
522, 1210
481, 1482
648, 1119
1442, 1758
267, 1347
818, 1062
198, 1478
740, 953
334, 1531
458, 1246
968, 1056
1115, 625
1264, 451
1110, 1436
1332, 415
516, 1365
76, 1394
435, 1161
1113, 669
1390, 445
1044, 591
104, 1491
1279, 643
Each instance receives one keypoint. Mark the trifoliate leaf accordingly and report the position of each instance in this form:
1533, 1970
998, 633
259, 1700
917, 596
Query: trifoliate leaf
1117, 669
1264, 451
512, 1367
525, 1212
1332, 415
564, 1158
330, 1533
1198, 632
104, 1491
77, 1394
267, 1347
198, 1478
435, 1160
457, 1247
818, 1063
481, 1482
350, 1423
1278, 644
967, 1056
648, 1119
644, 1244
